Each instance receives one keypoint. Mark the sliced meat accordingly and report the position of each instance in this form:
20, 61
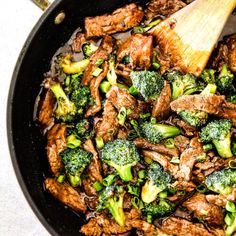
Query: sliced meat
92, 228
121, 98
161, 108
163, 8
227, 111
181, 227
173, 120
188, 159
103, 53
123, 133
56, 143
225, 53
66, 194
139, 47
161, 148
108, 127
88, 187
94, 88
121, 19
198, 204
95, 167
181, 143
78, 41
46, 107
162, 160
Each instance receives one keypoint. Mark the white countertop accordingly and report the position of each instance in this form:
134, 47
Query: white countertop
17, 18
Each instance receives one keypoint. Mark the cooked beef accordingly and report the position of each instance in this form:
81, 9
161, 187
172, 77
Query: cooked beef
95, 167
121, 19
78, 41
227, 111
181, 227
225, 53
161, 108
187, 186
162, 160
66, 194
46, 106
108, 126
163, 8
121, 98
124, 71
139, 48
92, 228
219, 199
188, 159
123, 133
103, 53
198, 204
56, 143
181, 143
161, 148
88, 187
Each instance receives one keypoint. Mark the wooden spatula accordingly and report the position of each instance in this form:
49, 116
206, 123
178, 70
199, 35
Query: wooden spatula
189, 35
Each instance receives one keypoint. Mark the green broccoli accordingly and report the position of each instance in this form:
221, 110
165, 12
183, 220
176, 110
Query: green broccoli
112, 198
183, 84
208, 75
224, 81
154, 210
221, 181
157, 180
66, 109
122, 155
88, 49
75, 161
230, 218
144, 28
218, 132
148, 83
232, 99
156, 132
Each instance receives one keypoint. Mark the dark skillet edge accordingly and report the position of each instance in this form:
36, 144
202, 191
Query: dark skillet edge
14, 161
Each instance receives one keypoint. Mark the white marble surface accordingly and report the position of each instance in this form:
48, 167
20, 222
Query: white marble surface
17, 18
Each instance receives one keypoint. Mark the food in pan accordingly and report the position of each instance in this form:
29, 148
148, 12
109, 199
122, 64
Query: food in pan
134, 144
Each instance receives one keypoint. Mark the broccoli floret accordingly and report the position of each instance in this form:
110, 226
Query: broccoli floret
148, 83
224, 81
75, 161
66, 109
218, 132
232, 99
221, 181
196, 119
183, 84
112, 198
144, 28
157, 180
156, 210
230, 220
88, 49
208, 75
122, 155
156, 132
111, 74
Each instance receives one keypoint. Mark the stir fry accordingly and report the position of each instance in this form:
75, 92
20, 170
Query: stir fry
134, 144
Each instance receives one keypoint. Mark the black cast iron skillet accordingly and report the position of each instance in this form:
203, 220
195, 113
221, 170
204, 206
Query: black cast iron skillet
27, 147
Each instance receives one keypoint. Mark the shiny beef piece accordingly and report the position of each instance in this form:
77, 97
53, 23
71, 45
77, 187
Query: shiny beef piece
66, 194
181, 143
199, 205
78, 41
108, 126
225, 53
139, 47
163, 8
121, 19
56, 143
161, 107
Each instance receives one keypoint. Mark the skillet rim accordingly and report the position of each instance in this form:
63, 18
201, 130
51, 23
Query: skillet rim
9, 108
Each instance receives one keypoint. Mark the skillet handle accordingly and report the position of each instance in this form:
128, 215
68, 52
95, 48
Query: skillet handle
42, 4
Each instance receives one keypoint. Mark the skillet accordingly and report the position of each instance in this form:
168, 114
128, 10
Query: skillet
27, 147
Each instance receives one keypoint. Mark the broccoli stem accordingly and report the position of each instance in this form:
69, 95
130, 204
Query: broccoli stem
149, 192
125, 172
223, 146
105, 86
74, 180
232, 227
209, 89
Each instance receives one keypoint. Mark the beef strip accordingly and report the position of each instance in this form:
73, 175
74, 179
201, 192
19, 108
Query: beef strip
56, 143
102, 52
225, 53
198, 204
88, 187
162, 8
188, 159
181, 143
66, 194
162, 160
139, 48
161, 148
108, 126
78, 41
46, 108
95, 167
181, 227
121, 19
121, 98
161, 106
123, 133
